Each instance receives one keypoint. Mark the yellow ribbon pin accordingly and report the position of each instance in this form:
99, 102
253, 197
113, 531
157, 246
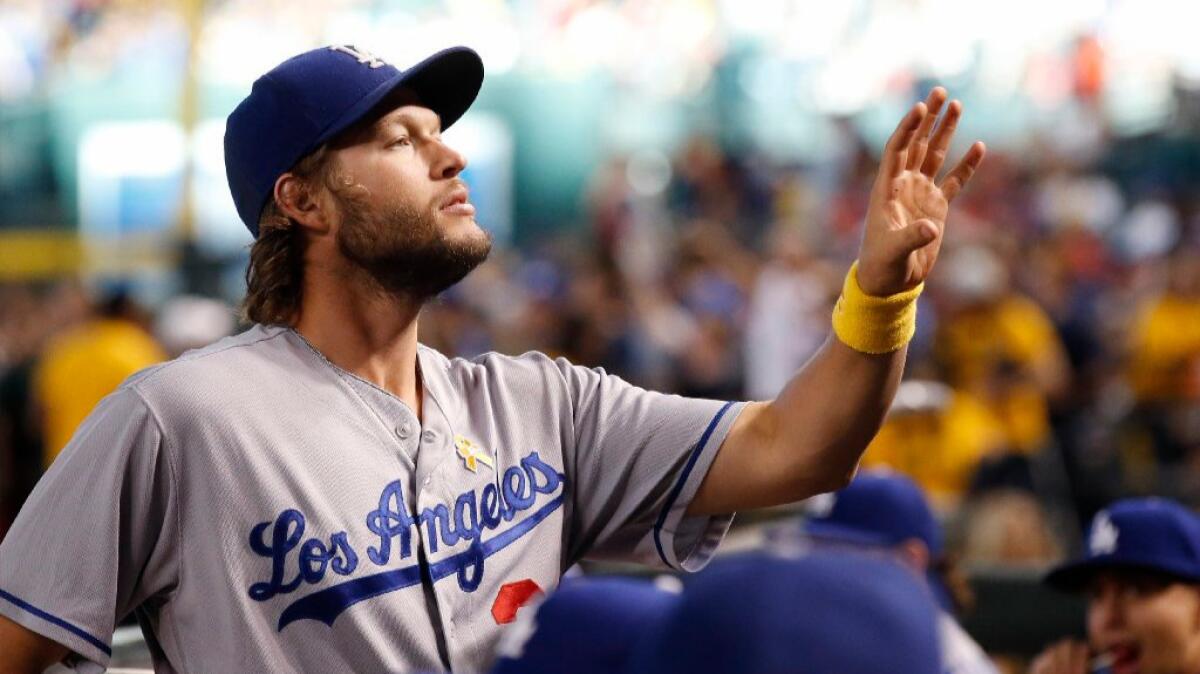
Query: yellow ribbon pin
472, 454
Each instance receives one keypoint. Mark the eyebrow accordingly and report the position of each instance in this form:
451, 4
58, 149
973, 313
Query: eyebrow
408, 119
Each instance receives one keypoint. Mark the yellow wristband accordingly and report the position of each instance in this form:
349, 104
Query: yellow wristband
874, 324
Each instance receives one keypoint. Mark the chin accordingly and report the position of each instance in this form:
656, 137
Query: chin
464, 228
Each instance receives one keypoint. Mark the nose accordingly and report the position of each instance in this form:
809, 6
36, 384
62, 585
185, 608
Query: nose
1105, 610
448, 162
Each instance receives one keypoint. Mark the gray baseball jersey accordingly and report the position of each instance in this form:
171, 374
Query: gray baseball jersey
260, 509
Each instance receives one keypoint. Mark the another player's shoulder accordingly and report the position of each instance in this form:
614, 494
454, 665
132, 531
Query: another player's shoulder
960, 653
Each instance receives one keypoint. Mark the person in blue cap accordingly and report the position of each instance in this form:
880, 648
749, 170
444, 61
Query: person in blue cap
1140, 573
885, 510
323, 493
764, 613
589, 625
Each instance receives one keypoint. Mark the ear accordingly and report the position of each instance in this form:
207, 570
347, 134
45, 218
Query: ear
300, 202
915, 554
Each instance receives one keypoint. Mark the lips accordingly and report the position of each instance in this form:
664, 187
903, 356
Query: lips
456, 203
1126, 659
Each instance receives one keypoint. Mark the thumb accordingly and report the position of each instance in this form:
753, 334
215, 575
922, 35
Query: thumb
917, 235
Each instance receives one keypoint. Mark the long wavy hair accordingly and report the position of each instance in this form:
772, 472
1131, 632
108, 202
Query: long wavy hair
275, 276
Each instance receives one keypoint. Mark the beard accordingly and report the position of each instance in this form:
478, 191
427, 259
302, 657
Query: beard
401, 250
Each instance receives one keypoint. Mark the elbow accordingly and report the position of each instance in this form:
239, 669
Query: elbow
838, 466
837, 478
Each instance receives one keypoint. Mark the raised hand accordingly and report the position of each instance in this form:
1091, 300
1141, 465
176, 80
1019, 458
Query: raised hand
907, 213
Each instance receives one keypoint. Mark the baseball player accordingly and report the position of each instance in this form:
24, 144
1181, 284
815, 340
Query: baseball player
881, 509
1141, 576
322, 493
760, 613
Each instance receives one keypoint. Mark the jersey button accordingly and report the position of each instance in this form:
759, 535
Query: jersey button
429, 436
404, 430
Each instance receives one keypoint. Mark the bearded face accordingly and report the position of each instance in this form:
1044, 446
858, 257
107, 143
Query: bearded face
408, 249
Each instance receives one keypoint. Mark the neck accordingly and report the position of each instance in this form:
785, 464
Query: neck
364, 330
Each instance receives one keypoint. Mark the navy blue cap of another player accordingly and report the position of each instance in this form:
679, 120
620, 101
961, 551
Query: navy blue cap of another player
879, 508
586, 626
1149, 534
311, 98
822, 612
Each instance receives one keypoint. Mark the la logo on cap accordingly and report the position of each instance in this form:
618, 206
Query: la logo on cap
364, 57
1103, 540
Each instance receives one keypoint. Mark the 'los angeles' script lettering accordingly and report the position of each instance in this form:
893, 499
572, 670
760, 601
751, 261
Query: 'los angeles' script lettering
296, 560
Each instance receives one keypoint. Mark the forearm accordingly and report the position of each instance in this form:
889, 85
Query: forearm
829, 412
24, 651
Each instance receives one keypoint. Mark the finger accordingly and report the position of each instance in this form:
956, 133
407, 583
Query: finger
961, 175
941, 140
916, 155
1062, 659
1079, 659
917, 235
894, 152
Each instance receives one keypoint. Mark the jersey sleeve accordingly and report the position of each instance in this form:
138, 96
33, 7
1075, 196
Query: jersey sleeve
95, 539
637, 460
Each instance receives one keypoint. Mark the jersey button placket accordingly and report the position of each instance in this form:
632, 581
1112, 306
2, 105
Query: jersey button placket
404, 430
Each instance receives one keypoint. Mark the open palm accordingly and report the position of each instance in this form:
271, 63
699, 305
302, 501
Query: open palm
907, 213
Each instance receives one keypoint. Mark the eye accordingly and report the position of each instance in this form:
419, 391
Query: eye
402, 141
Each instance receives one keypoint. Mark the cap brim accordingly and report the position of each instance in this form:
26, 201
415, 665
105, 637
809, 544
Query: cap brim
1074, 577
446, 83
840, 533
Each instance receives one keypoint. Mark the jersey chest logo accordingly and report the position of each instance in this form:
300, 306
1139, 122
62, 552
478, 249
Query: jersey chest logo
491, 518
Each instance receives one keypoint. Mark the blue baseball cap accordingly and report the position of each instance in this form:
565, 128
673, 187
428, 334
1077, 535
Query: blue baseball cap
586, 626
1148, 534
822, 612
879, 508
309, 99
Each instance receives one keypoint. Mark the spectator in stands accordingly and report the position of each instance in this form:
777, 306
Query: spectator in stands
1164, 369
999, 346
937, 436
87, 363
1007, 528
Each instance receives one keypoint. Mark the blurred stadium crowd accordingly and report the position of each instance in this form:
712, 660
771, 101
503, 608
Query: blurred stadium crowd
1056, 366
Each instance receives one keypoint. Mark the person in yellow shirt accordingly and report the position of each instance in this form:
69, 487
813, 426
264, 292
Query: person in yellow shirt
1165, 340
1164, 361
85, 364
1001, 347
937, 437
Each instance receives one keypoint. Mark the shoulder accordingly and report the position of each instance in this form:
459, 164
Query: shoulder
960, 653
529, 376
492, 365
237, 364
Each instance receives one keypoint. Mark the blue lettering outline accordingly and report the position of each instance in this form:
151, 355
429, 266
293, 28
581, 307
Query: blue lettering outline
473, 512
326, 605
